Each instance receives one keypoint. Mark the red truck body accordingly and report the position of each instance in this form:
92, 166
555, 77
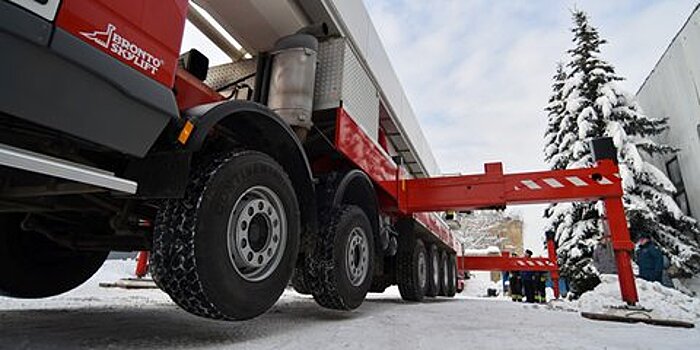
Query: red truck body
145, 35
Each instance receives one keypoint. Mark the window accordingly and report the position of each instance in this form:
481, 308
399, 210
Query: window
674, 174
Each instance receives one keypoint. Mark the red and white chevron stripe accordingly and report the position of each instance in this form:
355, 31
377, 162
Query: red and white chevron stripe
565, 181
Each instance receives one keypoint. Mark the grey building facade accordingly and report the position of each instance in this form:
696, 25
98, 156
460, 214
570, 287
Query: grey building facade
672, 90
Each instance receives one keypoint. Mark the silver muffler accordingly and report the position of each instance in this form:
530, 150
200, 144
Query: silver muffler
292, 78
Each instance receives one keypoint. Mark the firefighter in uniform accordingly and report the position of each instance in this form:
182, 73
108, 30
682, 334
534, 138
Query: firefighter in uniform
529, 283
541, 289
515, 283
516, 286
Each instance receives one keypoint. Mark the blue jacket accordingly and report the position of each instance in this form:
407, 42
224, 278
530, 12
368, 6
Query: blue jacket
651, 262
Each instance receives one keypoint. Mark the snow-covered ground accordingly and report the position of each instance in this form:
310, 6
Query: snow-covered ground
94, 317
664, 302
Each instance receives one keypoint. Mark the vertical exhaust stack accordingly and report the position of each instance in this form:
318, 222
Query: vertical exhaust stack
292, 78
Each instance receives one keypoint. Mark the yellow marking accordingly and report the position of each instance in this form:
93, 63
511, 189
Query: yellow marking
403, 185
186, 132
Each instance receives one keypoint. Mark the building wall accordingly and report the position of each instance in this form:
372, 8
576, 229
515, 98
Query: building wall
512, 232
671, 90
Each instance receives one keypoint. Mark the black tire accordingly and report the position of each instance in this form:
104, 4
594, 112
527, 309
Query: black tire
300, 283
433, 271
344, 259
202, 264
452, 282
444, 273
411, 270
35, 267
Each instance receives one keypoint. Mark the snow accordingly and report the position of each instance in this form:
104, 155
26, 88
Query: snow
659, 177
479, 283
605, 105
664, 302
95, 318
491, 250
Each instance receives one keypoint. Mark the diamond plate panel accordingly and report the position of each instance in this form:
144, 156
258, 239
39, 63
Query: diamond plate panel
329, 74
360, 98
341, 80
221, 75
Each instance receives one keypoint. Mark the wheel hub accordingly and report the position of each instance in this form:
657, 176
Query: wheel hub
257, 233
357, 252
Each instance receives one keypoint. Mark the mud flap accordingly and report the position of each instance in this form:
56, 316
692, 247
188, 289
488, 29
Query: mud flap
634, 314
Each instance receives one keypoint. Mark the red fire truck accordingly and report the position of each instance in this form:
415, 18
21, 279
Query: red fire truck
300, 159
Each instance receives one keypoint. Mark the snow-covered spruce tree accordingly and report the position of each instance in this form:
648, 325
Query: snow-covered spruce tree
588, 105
559, 125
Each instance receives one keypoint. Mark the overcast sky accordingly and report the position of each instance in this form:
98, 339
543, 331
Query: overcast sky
478, 73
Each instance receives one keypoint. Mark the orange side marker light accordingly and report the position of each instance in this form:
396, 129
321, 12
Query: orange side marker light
186, 132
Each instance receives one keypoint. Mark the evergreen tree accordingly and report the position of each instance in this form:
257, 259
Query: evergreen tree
588, 104
558, 125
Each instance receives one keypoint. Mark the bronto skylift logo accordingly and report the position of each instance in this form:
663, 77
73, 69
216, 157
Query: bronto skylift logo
112, 41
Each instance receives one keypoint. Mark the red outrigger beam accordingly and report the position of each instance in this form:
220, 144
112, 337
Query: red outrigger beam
494, 189
505, 262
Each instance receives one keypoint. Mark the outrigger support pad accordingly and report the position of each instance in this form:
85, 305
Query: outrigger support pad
634, 314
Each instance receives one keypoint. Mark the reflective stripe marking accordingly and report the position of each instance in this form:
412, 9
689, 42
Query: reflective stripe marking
553, 183
576, 181
531, 184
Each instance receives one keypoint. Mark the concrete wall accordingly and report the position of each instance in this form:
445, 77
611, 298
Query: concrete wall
671, 90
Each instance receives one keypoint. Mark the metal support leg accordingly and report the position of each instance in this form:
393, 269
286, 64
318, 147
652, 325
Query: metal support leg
623, 246
142, 264
552, 254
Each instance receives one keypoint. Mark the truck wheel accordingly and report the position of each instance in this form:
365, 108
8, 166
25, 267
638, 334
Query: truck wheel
412, 270
444, 273
228, 248
35, 267
452, 275
433, 271
344, 259
300, 283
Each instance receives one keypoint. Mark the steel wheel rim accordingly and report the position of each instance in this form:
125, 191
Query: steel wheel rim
422, 270
357, 255
257, 233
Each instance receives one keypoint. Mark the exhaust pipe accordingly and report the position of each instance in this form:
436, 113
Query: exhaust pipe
293, 75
